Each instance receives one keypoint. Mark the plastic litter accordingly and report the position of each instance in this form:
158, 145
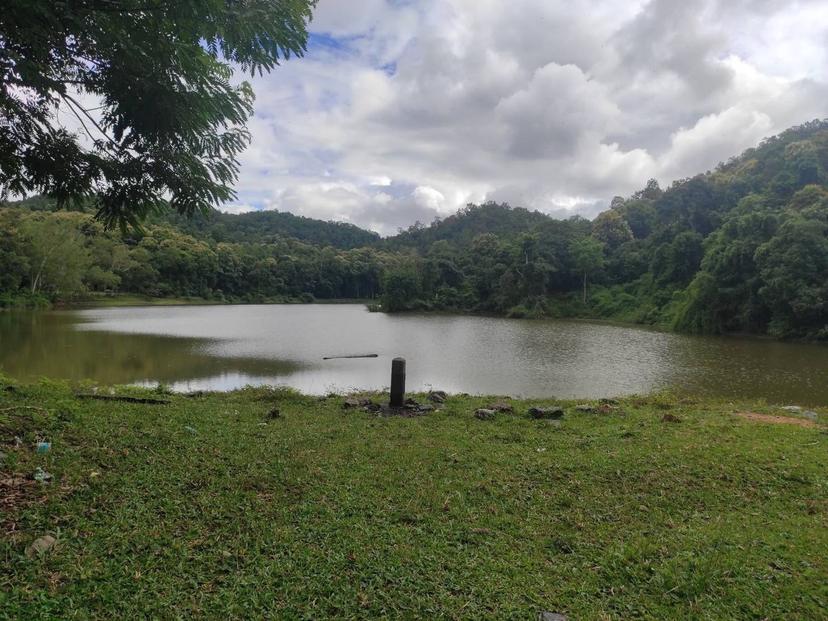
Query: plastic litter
41, 475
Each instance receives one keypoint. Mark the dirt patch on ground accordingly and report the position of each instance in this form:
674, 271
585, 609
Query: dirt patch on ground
15, 491
777, 420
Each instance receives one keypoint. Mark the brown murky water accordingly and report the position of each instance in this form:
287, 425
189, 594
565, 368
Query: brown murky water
224, 347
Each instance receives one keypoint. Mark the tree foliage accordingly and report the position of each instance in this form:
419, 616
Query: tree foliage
610, 228
588, 257
60, 256
167, 119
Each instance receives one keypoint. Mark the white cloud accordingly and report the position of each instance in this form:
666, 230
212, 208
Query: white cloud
714, 138
428, 197
238, 208
406, 110
558, 110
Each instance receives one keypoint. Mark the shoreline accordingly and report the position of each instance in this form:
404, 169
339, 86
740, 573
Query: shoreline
137, 300
130, 300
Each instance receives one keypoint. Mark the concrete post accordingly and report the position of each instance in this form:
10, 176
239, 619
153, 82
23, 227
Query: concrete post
397, 382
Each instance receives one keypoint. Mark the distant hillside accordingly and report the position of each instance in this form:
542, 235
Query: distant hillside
264, 226
775, 170
750, 241
253, 227
461, 228
499, 219
742, 248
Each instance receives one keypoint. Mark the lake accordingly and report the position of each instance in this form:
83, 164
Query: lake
225, 347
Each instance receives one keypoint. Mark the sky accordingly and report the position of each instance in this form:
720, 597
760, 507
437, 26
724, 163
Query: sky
404, 111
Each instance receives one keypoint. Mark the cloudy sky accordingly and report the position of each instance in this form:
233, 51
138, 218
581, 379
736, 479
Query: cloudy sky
407, 110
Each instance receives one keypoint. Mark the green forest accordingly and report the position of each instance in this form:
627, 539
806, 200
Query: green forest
740, 249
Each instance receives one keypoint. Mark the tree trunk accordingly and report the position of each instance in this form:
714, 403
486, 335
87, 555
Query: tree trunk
36, 280
585, 286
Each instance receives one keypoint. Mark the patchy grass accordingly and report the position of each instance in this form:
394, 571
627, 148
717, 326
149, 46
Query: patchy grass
130, 299
207, 508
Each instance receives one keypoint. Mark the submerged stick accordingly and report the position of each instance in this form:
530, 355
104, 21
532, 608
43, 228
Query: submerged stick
126, 398
354, 356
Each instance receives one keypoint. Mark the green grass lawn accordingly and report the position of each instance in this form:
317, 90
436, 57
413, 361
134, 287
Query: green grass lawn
204, 508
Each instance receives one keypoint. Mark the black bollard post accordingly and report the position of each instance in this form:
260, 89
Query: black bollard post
397, 382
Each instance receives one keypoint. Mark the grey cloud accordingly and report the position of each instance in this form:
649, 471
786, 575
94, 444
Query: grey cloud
389, 218
378, 208
666, 71
549, 104
671, 36
556, 110
557, 32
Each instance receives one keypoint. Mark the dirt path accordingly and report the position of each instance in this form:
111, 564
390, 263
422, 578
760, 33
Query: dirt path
777, 420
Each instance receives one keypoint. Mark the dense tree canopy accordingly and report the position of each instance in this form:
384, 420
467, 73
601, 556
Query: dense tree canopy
263, 226
166, 121
49, 255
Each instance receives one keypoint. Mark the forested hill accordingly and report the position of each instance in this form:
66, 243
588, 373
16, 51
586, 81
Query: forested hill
742, 248
265, 226
252, 227
469, 222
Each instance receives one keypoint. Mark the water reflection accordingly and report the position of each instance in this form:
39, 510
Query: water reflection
223, 347
49, 344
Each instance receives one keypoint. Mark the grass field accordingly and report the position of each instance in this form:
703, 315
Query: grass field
205, 508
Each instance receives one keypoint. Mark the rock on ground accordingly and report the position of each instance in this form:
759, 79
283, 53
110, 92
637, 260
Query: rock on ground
546, 413
800, 411
501, 406
437, 396
484, 414
40, 545
354, 402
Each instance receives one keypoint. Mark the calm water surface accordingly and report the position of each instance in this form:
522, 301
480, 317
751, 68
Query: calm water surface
225, 347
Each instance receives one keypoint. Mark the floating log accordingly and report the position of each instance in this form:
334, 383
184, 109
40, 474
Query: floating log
126, 398
354, 356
